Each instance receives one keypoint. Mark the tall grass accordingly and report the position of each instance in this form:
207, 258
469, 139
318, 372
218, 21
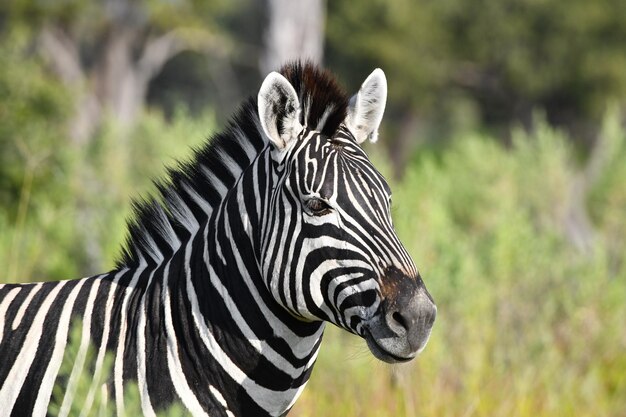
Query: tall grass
81, 390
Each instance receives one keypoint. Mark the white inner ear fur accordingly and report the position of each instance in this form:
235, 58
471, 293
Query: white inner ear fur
366, 108
279, 110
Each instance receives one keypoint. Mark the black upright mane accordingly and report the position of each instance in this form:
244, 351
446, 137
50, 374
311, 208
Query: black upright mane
189, 192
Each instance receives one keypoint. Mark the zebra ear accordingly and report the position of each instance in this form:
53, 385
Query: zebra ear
366, 108
279, 110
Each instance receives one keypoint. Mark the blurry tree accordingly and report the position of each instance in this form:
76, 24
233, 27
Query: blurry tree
295, 30
404, 39
201, 81
33, 108
110, 50
498, 58
107, 52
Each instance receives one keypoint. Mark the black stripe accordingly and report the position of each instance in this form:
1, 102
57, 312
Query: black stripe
38, 367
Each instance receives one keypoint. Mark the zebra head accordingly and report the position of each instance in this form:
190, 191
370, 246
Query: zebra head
329, 249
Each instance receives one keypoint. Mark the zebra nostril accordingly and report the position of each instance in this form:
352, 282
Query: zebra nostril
398, 319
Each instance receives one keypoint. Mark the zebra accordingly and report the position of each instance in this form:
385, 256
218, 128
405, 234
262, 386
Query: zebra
219, 299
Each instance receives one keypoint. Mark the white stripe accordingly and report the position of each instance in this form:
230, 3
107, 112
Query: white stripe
391, 247
232, 166
182, 213
216, 241
164, 228
220, 398
245, 144
322, 121
214, 180
308, 365
260, 346
107, 323
4, 306
301, 346
274, 402
79, 361
119, 354
369, 284
20, 313
315, 288
288, 259
45, 390
204, 205
174, 365
256, 191
149, 247
15, 379
142, 382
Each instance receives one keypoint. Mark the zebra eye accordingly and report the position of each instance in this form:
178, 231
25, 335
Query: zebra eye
317, 207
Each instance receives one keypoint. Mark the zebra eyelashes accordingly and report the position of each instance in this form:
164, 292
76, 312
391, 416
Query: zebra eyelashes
317, 206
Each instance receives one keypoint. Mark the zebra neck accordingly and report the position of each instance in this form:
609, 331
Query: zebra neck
232, 253
248, 332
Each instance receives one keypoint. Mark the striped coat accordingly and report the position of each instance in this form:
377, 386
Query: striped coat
277, 226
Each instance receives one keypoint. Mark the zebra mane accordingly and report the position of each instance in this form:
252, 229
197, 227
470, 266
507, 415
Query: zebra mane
185, 198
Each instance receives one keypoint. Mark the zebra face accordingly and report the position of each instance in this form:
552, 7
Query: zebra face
330, 251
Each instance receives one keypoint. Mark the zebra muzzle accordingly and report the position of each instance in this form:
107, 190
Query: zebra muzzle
401, 328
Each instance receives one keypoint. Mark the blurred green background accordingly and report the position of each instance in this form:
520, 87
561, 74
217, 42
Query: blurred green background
504, 138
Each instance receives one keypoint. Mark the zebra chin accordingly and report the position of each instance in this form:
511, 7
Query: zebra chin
399, 331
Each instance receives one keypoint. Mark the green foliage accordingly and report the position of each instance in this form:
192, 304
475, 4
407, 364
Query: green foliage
527, 324
508, 57
91, 18
33, 109
47, 183
80, 388
125, 170
33, 112
608, 197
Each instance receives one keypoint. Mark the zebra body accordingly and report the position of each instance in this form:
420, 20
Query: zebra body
277, 226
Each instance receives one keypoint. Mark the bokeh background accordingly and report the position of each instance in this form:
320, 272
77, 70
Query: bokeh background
504, 139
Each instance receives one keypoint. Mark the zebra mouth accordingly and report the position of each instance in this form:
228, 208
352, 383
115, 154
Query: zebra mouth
381, 353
